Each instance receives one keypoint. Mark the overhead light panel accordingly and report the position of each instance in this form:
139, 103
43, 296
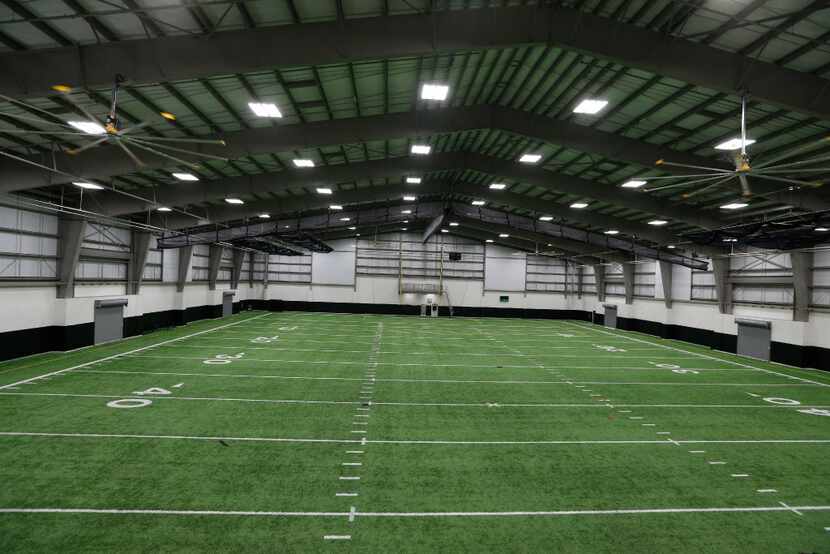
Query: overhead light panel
821, 229
352, 228
497, 186
236, 201
403, 228
87, 186
406, 212
164, 209
728, 239
303, 162
657, 222
434, 91
323, 190
612, 232
633, 184
185, 177
345, 219
421, 149
335, 207
264, 216
546, 218
445, 230
478, 202
409, 198
579, 205
734, 206
88, 127
503, 235
590, 106
489, 240
733, 144
453, 224
671, 247
265, 109
530, 158
413, 180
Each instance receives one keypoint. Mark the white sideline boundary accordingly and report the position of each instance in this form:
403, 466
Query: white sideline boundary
409, 442
58, 372
354, 513
698, 354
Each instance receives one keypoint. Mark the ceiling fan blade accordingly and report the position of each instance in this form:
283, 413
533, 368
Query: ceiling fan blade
707, 187
673, 164
793, 152
162, 154
88, 145
136, 160
180, 150
686, 183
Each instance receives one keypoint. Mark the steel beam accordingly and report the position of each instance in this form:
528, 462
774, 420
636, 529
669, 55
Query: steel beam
32, 73
666, 278
802, 264
185, 256
70, 238
138, 260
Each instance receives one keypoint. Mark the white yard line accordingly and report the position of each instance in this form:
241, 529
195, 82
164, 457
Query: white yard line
355, 513
114, 356
411, 442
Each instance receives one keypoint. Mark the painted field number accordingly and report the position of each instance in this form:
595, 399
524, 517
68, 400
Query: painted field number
264, 340
609, 348
223, 359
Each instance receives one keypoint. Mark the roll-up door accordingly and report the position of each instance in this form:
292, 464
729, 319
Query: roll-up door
611, 316
754, 338
227, 303
109, 319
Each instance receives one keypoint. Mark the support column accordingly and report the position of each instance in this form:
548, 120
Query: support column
185, 255
665, 275
70, 238
265, 263
236, 273
138, 260
579, 278
802, 263
214, 261
723, 286
628, 282
599, 279
251, 258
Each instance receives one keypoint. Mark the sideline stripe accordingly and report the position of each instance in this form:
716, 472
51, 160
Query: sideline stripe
553, 513
114, 356
416, 442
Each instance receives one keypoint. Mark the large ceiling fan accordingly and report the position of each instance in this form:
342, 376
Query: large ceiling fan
110, 131
776, 169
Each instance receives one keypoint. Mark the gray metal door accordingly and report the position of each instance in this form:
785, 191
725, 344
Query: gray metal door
611, 316
754, 338
109, 320
227, 304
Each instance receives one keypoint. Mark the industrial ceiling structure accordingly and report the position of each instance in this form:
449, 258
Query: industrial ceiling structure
547, 118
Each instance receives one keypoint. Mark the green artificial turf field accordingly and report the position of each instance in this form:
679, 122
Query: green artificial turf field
279, 432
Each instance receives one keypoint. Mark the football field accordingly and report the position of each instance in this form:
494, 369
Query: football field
313, 432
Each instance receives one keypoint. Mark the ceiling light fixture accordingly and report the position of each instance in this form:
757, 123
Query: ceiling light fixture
410, 198
237, 201
821, 229
323, 190
579, 205
406, 212
403, 228
185, 177
530, 158
733, 144
303, 162
352, 228
489, 240
445, 230
164, 209
87, 186
497, 186
546, 218
503, 235
478, 202
734, 206
421, 149
590, 106
612, 232
453, 224
657, 222
335, 207
671, 247
413, 180
730, 240
633, 184
345, 219
265, 216
88, 127
265, 109
434, 91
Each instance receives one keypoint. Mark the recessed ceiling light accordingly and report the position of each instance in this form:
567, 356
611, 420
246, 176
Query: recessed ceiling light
453, 224
303, 162
633, 184
579, 205
546, 218
403, 228
352, 228
234, 201
503, 235
671, 247
409, 198
335, 207
733, 144
406, 212
478, 202
657, 222
87, 186
406, 221
498, 186
590, 106
323, 190
434, 91
345, 219
421, 149
413, 180
185, 177
612, 232
265, 109
445, 230
164, 209
734, 206
357, 234
489, 240
530, 158
728, 239
821, 229
265, 216
88, 127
